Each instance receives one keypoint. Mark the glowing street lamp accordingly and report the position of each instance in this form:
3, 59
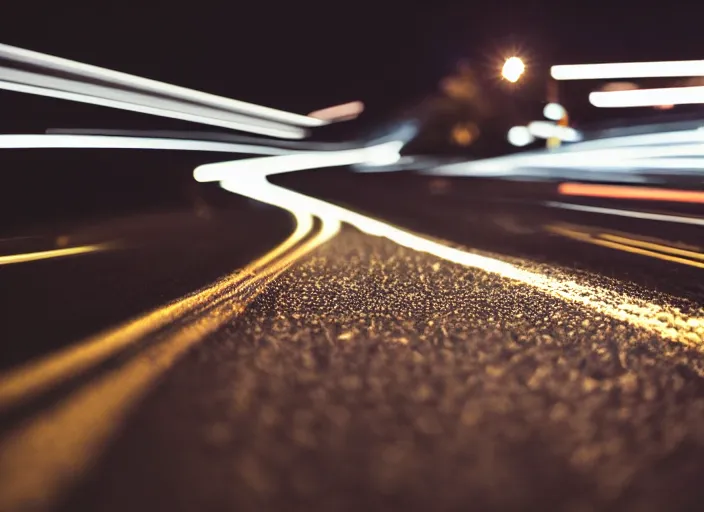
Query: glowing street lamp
513, 69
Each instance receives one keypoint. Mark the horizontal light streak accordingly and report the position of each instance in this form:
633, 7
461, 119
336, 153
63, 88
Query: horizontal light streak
632, 152
627, 192
659, 217
384, 153
547, 129
647, 97
614, 70
51, 254
49, 141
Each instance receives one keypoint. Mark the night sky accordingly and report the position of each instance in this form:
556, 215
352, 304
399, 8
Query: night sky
307, 55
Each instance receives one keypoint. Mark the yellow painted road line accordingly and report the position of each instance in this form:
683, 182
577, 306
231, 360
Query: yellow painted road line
43, 458
35, 377
54, 253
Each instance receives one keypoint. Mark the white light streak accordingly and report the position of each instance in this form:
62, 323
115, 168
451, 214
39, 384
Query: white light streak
381, 154
146, 85
648, 97
631, 152
647, 139
628, 70
27, 141
629, 213
33, 83
547, 129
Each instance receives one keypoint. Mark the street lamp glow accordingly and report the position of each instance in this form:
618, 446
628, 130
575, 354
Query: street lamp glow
513, 69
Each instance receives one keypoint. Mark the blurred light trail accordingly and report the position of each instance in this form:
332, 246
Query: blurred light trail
38, 470
689, 136
344, 112
55, 253
624, 153
616, 159
139, 84
648, 97
200, 135
25, 141
695, 255
627, 192
679, 219
38, 84
602, 240
610, 71
380, 154
512, 69
548, 129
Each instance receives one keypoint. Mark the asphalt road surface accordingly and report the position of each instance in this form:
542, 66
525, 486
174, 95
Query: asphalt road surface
525, 364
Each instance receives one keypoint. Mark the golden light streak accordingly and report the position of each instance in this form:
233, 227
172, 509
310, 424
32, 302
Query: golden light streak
43, 458
54, 253
626, 192
632, 246
654, 246
37, 376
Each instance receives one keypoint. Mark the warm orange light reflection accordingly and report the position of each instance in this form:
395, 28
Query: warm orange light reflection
627, 192
342, 112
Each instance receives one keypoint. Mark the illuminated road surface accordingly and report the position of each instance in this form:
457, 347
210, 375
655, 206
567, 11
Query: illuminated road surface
348, 370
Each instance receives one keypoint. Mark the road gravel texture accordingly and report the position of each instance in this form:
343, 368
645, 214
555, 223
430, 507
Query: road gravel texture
374, 377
